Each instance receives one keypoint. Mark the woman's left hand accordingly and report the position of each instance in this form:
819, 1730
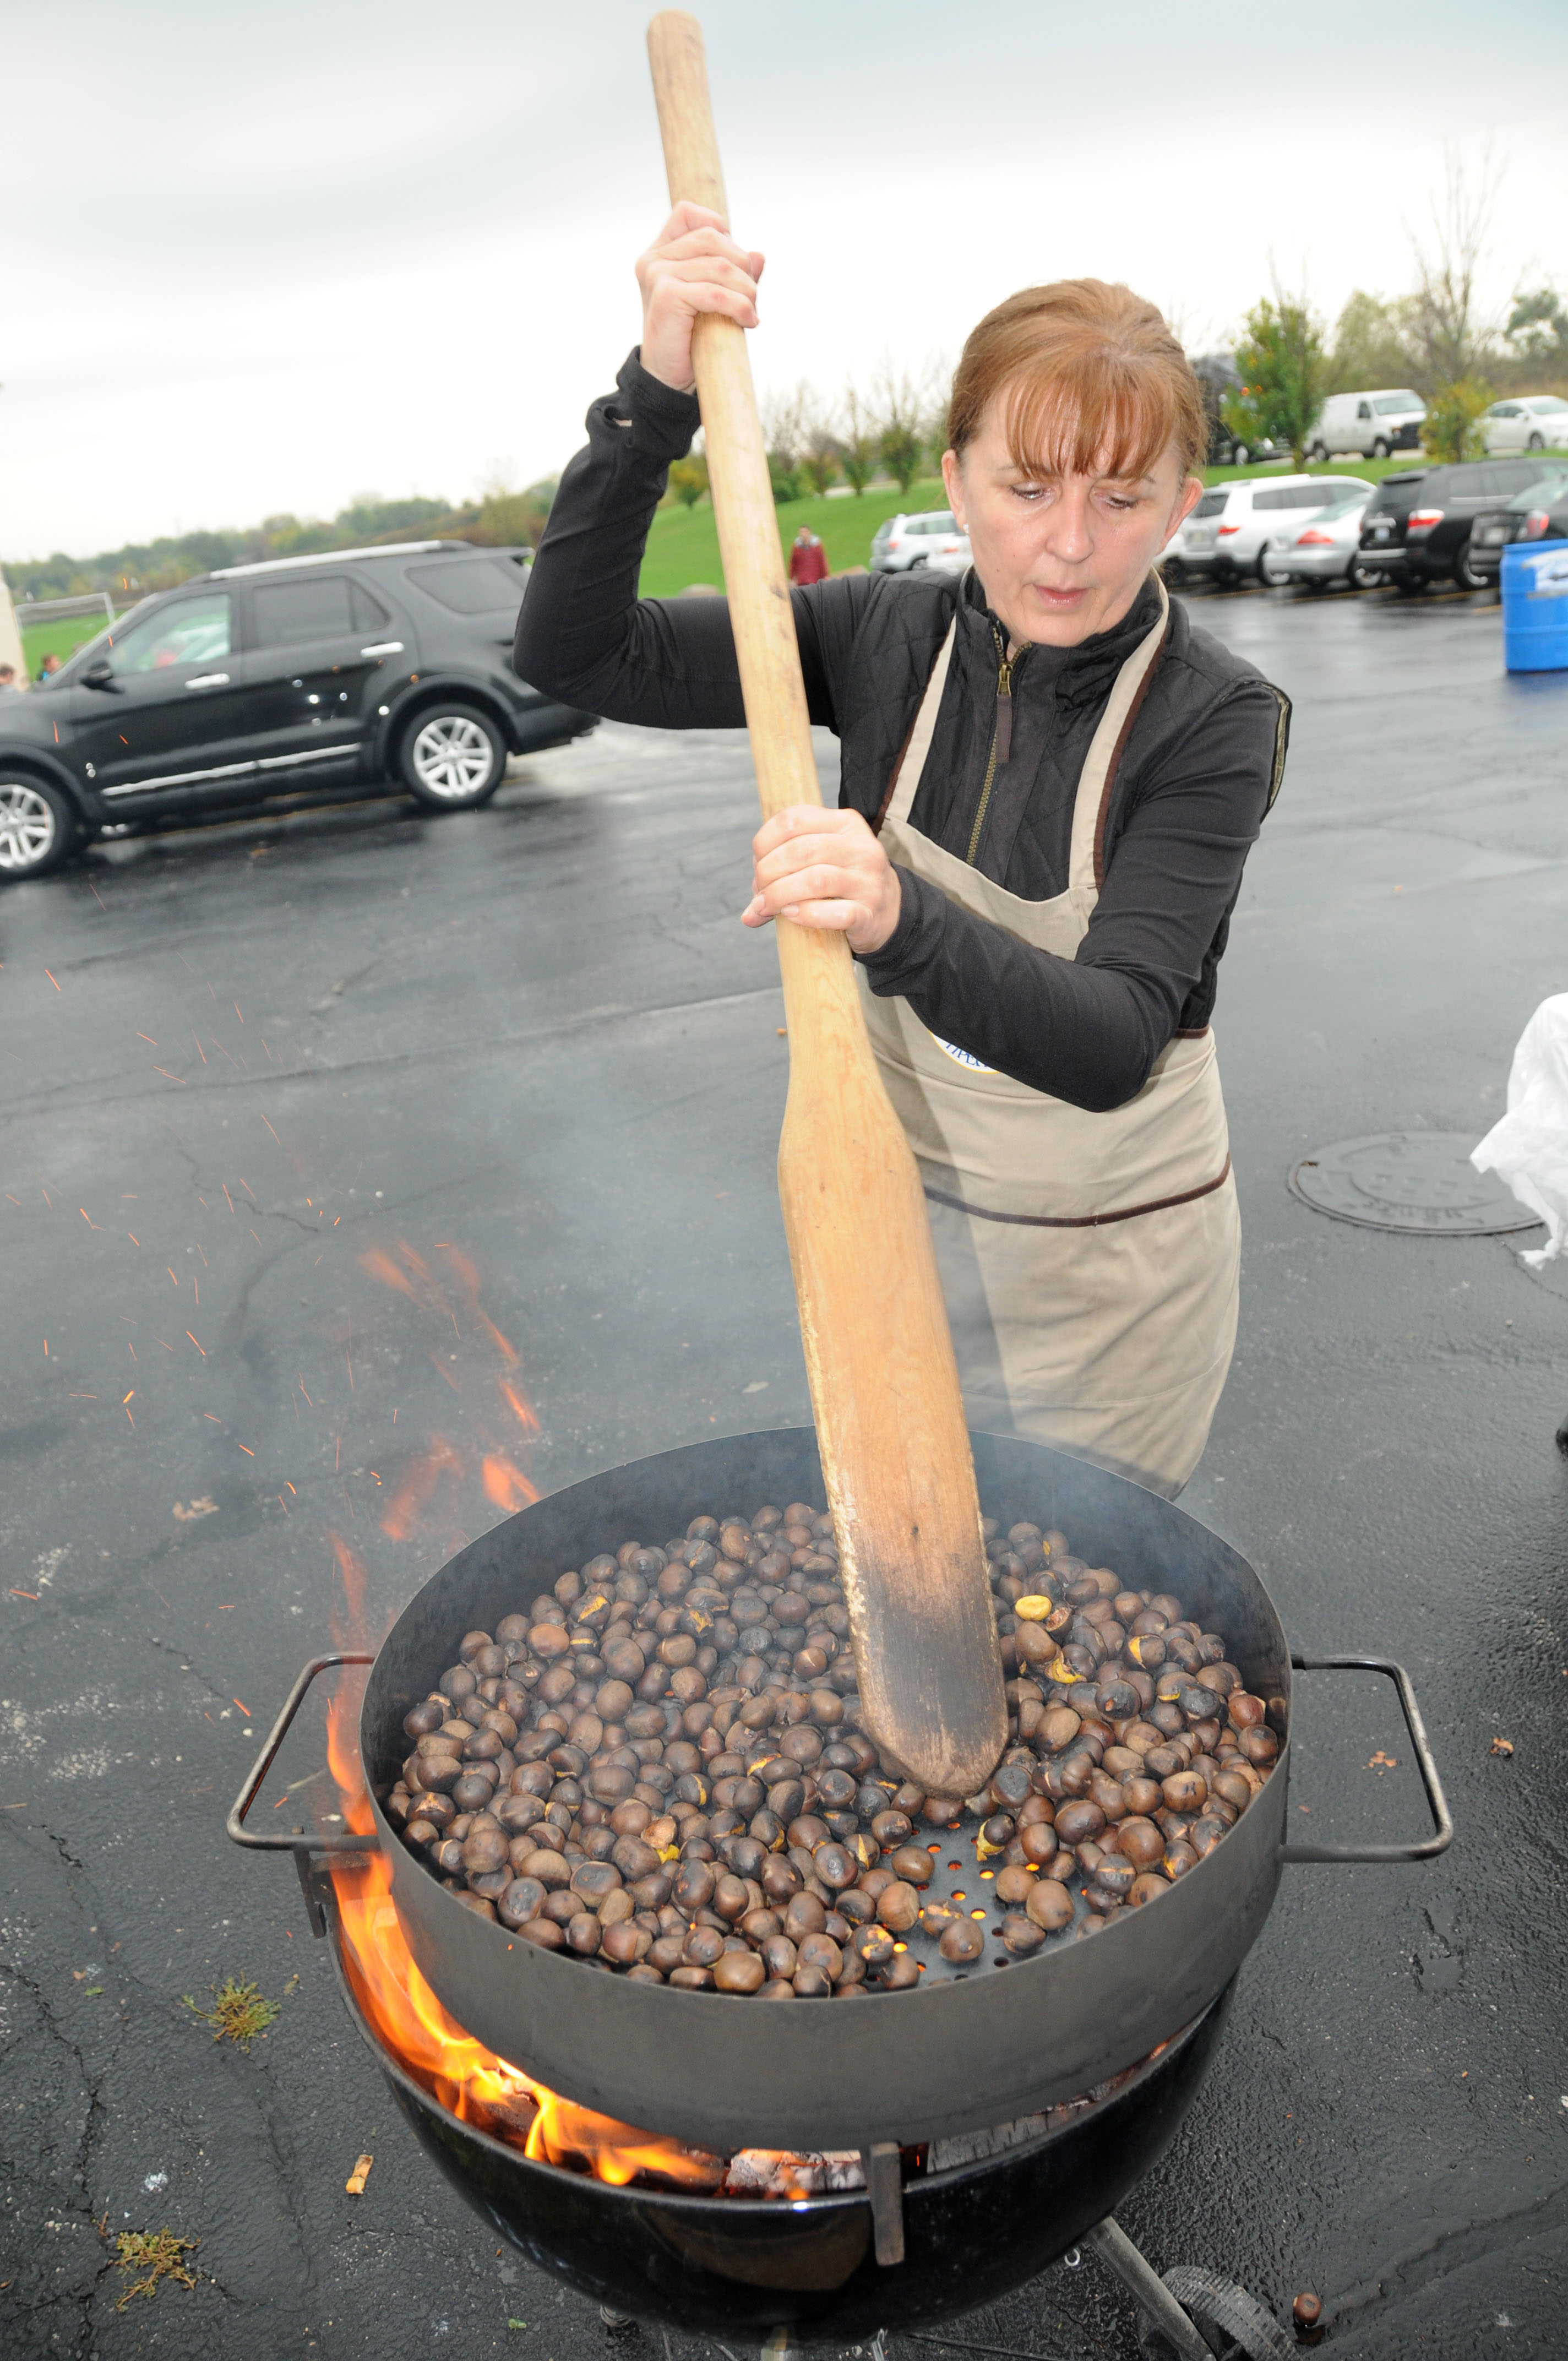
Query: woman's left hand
822, 868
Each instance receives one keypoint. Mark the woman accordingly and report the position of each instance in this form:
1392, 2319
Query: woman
1050, 784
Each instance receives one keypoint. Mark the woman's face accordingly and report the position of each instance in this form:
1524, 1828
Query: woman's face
1061, 557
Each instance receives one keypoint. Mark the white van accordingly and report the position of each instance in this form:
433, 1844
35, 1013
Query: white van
1370, 425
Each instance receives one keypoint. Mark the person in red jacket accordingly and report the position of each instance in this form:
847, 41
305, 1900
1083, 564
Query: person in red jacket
808, 559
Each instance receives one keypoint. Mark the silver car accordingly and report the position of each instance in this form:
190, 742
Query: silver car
1327, 550
931, 538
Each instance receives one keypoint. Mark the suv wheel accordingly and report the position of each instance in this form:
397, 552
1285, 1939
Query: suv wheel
452, 757
1467, 573
37, 827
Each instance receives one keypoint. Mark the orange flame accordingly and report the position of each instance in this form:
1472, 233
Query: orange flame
413, 1496
522, 1411
506, 1486
459, 2072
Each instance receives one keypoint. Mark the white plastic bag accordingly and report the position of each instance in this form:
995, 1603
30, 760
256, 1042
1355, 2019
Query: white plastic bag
1528, 1149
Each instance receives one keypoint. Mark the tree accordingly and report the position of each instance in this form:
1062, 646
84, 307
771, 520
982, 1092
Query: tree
1449, 430
1280, 362
688, 480
1445, 339
819, 441
1538, 326
1368, 348
902, 406
858, 439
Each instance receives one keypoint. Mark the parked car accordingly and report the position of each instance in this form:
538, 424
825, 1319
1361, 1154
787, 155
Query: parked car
1417, 525
1538, 513
1228, 533
1533, 421
1327, 550
907, 543
1371, 425
302, 677
1228, 450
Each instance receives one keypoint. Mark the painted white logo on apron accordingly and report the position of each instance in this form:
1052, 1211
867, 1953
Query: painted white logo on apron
961, 1057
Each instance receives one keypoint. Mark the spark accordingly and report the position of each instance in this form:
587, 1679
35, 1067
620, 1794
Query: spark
125, 1398
244, 1447
149, 1039
88, 1218
90, 887
227, 1199
24, 1594
283, 1504
170, 1268
236, 1010
202, 1350
200, 1051
197, 1285
46, 1348
130, 1348
274, 1134
51, 979
258, 1240
83, 1397
243, 1709
168, 1076
202, 1202
133, 1237
128, 1415
291, 1488
15, 1201
214, 1416
337, 1463
304, 1390
49, 1201
168, 1348
521, 1410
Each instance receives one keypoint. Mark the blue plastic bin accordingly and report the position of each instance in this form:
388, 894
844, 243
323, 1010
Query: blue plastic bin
1535, 605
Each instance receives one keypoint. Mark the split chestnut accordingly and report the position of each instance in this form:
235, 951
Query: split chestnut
659, 1767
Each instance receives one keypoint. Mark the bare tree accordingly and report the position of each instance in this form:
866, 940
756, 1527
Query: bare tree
1446, 338
858, 437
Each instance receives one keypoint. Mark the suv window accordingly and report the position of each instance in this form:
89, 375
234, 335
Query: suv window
193, 631
315, 607
1213, 503
472, 585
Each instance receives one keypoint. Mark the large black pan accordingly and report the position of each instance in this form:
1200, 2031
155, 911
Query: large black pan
953, 2056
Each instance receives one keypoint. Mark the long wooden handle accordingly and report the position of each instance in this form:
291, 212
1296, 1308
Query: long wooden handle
878, 1355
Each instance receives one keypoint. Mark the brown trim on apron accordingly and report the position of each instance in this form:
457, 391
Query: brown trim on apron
1082, 1220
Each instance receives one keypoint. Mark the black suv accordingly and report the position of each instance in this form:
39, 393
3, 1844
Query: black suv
302, 678
1417, 526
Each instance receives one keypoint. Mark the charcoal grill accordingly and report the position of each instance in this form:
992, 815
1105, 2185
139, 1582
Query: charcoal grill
958, 2056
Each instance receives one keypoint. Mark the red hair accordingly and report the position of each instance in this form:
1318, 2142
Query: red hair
1092, 382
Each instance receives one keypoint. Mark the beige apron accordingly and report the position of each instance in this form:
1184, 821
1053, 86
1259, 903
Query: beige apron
1090, 1261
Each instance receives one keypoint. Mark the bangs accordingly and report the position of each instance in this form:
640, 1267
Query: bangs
1087, 380
1092, 415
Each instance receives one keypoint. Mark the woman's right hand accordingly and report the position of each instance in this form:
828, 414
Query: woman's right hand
694, 265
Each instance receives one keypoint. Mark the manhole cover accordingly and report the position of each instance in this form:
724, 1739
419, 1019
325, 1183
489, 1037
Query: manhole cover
1409, 1181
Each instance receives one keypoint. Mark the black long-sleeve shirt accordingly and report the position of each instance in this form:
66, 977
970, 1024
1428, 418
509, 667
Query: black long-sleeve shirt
1086, 1029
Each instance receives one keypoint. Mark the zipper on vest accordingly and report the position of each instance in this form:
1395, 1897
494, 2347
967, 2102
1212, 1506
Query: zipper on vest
1000, 745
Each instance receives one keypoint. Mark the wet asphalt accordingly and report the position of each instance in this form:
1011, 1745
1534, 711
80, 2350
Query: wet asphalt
303, 1116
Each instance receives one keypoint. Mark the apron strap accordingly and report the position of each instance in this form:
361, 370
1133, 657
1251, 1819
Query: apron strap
1086, 868
911, 763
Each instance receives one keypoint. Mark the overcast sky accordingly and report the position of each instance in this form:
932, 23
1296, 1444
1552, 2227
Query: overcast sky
262, 259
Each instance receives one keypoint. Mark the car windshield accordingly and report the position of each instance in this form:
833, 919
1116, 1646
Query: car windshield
1389, 405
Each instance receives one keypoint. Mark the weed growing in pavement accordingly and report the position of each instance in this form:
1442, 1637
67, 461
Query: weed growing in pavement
240, 2013
159, 2254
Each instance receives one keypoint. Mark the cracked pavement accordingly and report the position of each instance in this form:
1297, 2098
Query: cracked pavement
302, 1115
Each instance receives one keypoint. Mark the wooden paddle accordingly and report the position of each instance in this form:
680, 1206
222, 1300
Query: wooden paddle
878, 1356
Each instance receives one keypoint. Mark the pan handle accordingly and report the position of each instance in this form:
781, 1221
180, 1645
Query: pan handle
240, 1835
1442, 1822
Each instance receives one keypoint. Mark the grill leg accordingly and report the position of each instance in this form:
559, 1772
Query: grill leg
1148, 2290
